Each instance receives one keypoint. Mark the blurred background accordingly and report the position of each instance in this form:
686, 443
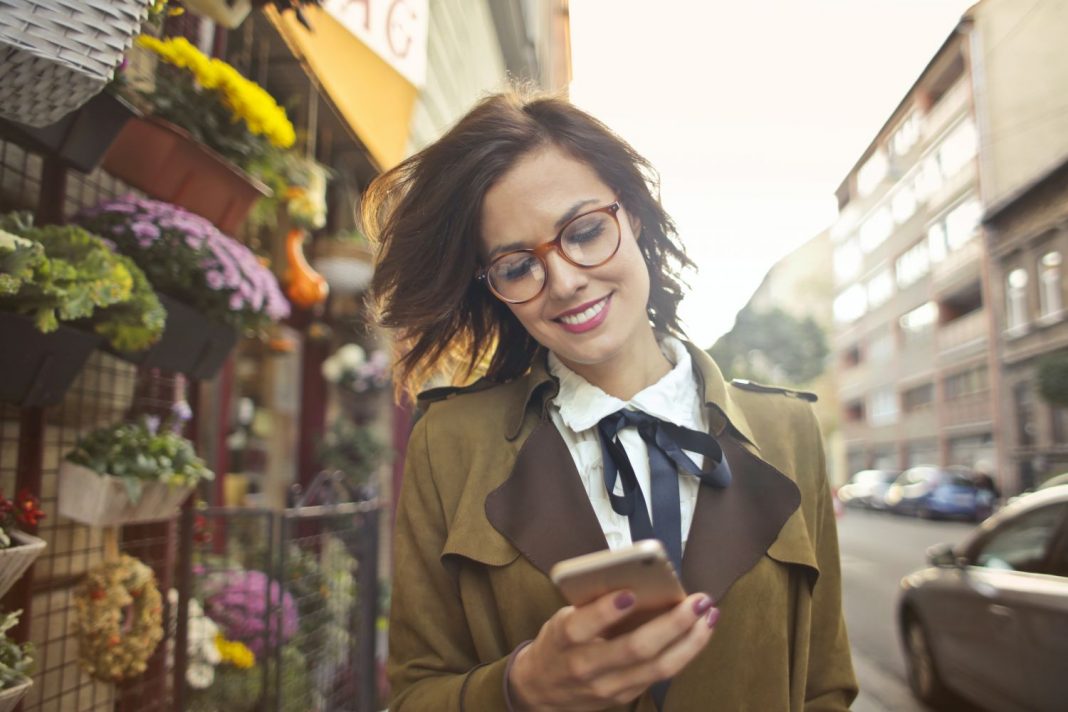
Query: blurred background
875, 193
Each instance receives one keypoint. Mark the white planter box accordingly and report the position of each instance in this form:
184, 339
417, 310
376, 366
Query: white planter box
10, 697
228, 13
16, 559
101, 500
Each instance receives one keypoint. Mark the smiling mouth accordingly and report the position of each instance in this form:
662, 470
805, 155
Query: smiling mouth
587, 314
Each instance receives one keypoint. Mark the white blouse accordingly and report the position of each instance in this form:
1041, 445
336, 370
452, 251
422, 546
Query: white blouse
580, 405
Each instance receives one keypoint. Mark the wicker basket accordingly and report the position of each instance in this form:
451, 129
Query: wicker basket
17, 558
100, 500
10, 697
55, 55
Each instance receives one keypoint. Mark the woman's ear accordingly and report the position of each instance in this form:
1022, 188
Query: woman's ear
635, 225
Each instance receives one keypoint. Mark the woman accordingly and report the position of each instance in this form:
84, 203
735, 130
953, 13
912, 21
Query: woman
527, 243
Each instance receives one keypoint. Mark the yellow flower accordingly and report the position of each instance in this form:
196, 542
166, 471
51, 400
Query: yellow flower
235, 652
246, 100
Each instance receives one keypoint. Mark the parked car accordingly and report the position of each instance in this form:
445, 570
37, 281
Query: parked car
942, 492
867, 488
988, 620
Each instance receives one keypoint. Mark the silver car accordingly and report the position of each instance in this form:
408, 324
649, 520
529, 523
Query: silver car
988, 620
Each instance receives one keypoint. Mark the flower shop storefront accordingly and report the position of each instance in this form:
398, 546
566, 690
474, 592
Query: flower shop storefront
169, 539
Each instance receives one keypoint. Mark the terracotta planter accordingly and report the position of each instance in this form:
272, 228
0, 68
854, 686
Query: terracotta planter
191, 343
10, 697
42, 367
17, 558
79, 139
168, 164
101, 500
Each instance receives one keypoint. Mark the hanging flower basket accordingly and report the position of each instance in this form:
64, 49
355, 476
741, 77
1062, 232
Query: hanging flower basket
10, 697
57, 54
347, 264
164, 161
16, 559
191, 344
100, 500
227, 13
42, 367
80, 139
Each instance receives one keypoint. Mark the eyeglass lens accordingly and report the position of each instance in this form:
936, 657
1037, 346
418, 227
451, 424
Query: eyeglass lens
587, 241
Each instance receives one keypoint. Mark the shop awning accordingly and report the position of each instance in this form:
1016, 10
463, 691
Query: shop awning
373, 98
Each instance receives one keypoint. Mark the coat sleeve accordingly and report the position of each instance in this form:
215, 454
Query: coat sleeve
831, 685
432, 660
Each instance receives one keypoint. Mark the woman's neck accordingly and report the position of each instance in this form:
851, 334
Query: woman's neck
629, 372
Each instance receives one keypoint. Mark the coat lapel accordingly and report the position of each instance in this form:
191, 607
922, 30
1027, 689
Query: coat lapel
542, 508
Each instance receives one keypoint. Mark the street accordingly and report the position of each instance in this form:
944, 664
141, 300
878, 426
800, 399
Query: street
878, 549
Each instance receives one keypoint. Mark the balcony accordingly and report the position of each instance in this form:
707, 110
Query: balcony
963, 337
974, 408
959, 265
952, 104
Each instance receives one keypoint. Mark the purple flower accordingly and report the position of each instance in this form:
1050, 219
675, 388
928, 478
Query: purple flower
243, 604
144, 229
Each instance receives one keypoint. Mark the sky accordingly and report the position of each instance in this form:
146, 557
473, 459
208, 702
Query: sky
752, 111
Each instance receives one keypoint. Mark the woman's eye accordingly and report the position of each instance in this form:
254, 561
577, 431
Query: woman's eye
585, 235
517, 269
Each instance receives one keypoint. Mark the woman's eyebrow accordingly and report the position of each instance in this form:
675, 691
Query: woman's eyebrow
570, 213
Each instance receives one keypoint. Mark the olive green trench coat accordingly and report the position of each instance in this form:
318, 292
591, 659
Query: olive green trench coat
491, 499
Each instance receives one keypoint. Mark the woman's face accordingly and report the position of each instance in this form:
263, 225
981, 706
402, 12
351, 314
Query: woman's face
586, 316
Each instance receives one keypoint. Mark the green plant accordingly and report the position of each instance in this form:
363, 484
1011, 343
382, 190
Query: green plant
351, 448
143, 451
1053, 378
298, 185
16, 660
64, 273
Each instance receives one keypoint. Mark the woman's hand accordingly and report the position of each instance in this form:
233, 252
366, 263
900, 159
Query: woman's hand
569, 666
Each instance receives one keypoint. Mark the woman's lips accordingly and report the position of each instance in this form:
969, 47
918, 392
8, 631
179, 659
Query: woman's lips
588, 318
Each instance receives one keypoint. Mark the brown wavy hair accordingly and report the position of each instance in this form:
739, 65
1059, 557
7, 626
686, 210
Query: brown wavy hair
424, 215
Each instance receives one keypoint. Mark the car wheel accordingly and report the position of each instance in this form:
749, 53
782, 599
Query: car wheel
922, 669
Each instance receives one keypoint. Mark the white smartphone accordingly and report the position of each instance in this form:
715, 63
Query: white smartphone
642, 568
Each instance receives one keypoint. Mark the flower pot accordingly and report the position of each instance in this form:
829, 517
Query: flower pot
191, 343
79, 139
228, 13
17, 558
42, 367
165, 162
10, 697
101, 500
347, 265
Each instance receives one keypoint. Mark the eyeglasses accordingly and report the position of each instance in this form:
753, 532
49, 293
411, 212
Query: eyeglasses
587, 240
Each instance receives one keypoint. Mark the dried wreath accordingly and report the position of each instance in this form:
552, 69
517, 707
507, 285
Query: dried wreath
119, 619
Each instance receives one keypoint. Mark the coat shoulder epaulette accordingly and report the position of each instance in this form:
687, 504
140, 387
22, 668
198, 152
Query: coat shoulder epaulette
433, 395
761, 388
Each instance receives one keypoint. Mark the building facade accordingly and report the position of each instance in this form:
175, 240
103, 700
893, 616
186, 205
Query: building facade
912, 326
1019, 58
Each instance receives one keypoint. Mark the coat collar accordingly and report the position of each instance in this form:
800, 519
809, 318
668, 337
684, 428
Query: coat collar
543, 510
538, 386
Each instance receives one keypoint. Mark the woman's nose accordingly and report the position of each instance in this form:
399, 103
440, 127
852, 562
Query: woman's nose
564, 278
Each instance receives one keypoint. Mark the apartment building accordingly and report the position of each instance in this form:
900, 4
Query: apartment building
912, 326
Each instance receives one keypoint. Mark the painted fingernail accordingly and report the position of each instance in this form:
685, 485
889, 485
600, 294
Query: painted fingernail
624, 600
701, 605
713, 616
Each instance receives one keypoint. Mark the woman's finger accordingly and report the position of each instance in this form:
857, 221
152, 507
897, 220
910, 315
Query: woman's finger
584, 624
647, 641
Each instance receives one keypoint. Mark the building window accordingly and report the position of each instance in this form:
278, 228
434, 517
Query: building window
1049, 291
851, 357
958, 149
913, 265
918, 398
1023, 402
906, 135
871, 174
876, 229
928, 179
880, 289
903, 204
847, 261
851, 304
920, 320
1016, 299
967, 383
936, 243
854, 411
883, 407
962, 223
